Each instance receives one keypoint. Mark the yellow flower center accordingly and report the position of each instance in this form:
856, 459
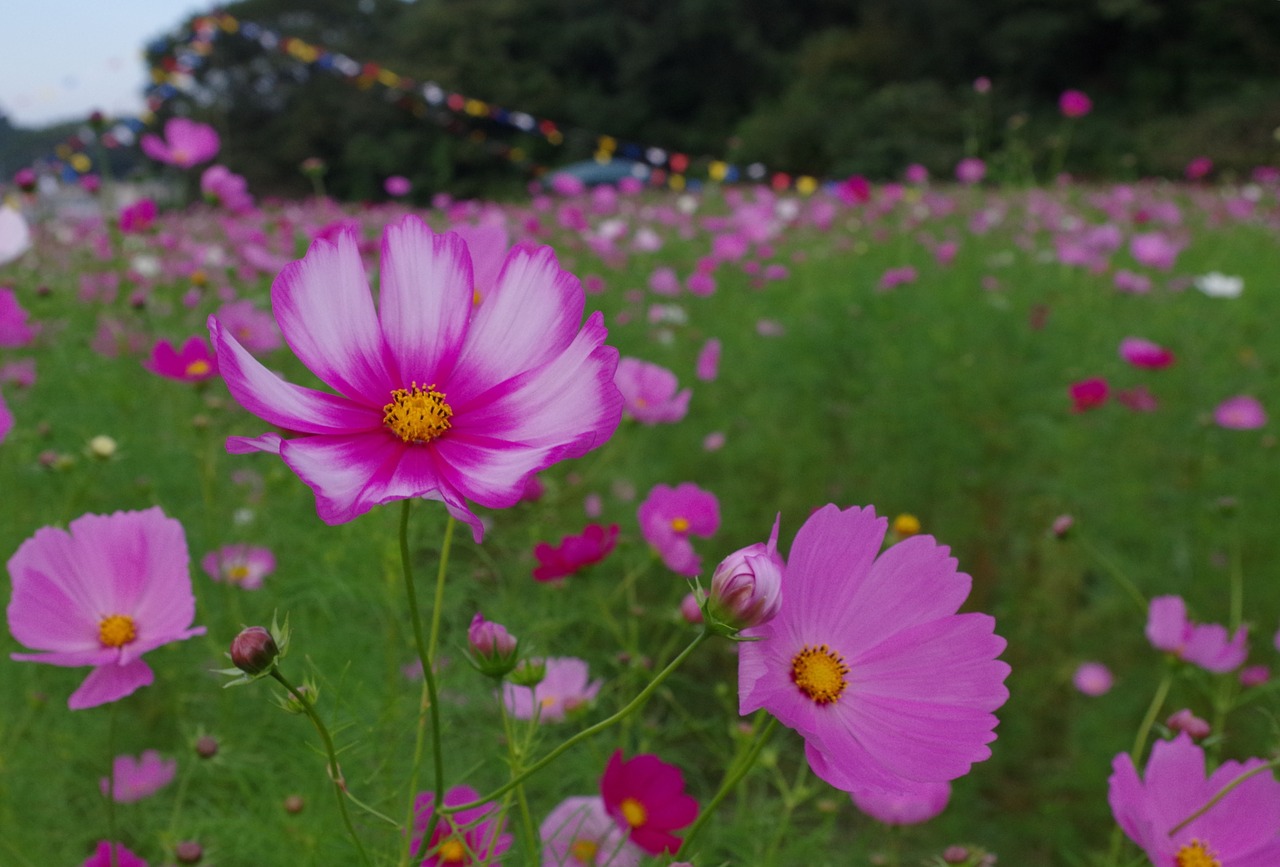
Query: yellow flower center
820, 673
452, 851
476, 297
634, 812
680, 525
199, 367
584, 851
116, 630
417, 415
1196, 854
238, 573
179, 156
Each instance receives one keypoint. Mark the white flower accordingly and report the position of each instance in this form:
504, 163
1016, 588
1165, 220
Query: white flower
15, 237
1217, 285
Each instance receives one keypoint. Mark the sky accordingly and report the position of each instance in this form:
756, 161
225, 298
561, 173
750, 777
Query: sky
61, 59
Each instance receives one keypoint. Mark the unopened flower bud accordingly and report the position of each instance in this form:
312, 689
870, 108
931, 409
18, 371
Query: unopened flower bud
746, 588
294, 804
188, 852
529, 672
206, 746
690, 610
493, 649
102, 447
1185, 721
254, 651
955, 855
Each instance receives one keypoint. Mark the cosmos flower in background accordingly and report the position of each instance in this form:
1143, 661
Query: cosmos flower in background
103, 592
139, 778
1092, 679
6, 419
668, 516
970, 170
242, 565
903, 808
1207, 645
1144, 353
221, 186
186, 143
1154, 250
1217, 285
15, 332
646, 798
1088, 394
574, 553
397, 186
438, 397
1242, 828
1241, 412
565, 688
192, 363
1074, 103
113, 855
578, 832
138, 217
15, 235
650, 392
707, 366
474, 836
869, 662
255, 329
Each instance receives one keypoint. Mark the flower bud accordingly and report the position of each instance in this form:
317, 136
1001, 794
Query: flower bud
254, 651
529, 672
1185, 721
188, 852
493, 649
206, 746
746, 588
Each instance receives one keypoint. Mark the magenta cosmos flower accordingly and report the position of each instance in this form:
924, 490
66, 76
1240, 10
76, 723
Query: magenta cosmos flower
1088, 394
102, 593
104, 856
138, 778
565, 688
242, 565
668, 516
1144, 353
650, 392
1240, 830
580, 833
437, 397
472, 836
1241, 412
869, 662
192, 363
1074, 103
646, 797
1204, 644
186, 143
574, 552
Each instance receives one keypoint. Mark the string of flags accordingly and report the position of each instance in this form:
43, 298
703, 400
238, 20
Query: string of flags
454, 110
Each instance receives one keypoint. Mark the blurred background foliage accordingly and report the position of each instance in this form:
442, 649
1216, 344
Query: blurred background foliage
826, 87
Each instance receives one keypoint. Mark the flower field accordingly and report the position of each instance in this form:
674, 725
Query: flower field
1020, 587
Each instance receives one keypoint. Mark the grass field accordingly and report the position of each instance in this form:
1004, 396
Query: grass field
945, 397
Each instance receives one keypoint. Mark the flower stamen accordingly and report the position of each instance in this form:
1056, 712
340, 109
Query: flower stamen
634, 812
417, 415
452, 851
680, 525
116, 630
1196, 854
819, 672
584, 851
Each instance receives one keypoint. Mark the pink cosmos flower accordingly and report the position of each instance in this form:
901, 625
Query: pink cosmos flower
574, 552
1154, 249
186, 143
580, 833
1241, 412
255, 329
467, 837
1130, 281
397, 186
869, 661
139, 778
895, 277
970, 170
438, 398
1092, 679
708, 363
193, 363
646, 797
1205, 645
649, 392
916, 174
1240, 830
1144, 353
565, 688
1074, 103
15, 236
903, 808
663, 281
242, 565
1185, 721
104, 856
1139, 399
1088, 394
1199, 168
138, 217
224, 187
102, 593
14, 330
1254, 675
6, 419
668, 516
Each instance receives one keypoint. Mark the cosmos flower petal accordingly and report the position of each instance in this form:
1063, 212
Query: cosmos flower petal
952, 661
919, 741
325, 312
56, 600
854, 768
268, 442
281, 403
838, 544
529, 317
349, 474
425, 299
108, 683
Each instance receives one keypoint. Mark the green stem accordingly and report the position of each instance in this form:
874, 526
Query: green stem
335, 772
1222, 793
1237, 581
731, 779
425, 654
1118, 575
622, 714
516, 757
1157, 701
